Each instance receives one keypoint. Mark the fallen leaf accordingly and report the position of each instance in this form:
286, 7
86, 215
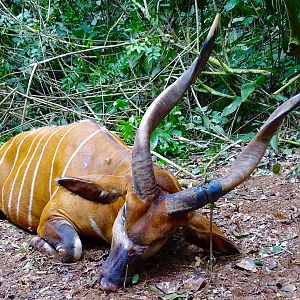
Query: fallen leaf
194, 284
167, 287
247, 264
288, 288
240, 235
174, 296
263, 197
93, 280
271, 265
280, 216
276, 249
198, 262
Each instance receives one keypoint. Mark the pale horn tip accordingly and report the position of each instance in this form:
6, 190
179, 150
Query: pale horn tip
214, 27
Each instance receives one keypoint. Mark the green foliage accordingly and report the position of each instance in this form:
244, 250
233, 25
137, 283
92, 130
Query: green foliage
135, 278
80, 59
127, 128
162, 139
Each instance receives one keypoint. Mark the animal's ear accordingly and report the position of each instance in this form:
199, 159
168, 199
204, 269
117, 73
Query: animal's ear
197, 231
102, 189
166, 181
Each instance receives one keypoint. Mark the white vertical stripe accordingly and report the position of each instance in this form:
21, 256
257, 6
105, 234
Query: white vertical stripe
12, 168
74, 154
54, 156
19, 169
1, 161
7, 149
34, 175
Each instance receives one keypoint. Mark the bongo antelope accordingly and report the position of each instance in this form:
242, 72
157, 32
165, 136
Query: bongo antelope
64, 182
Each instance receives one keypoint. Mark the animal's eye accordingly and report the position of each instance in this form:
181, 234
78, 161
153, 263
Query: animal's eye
131, 252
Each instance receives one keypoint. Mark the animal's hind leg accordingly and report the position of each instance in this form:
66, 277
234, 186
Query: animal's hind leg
59, 238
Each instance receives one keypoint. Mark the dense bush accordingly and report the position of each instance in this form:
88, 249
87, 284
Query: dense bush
66, 60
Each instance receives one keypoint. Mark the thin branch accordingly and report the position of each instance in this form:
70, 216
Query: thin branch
286, 85
80, 51
214, 158
174, 165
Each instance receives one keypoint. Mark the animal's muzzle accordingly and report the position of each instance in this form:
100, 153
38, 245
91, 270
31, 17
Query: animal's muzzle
106, 285
115, 270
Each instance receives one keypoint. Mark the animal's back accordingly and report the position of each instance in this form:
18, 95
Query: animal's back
31, 161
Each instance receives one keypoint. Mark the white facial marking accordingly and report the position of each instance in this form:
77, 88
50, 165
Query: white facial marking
120, 237
119, 231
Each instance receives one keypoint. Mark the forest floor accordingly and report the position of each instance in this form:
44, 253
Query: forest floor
262, 216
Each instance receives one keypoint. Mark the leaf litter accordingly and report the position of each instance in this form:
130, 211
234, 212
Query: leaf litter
262, 216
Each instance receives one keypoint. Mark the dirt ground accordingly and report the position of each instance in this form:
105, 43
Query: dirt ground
261, 215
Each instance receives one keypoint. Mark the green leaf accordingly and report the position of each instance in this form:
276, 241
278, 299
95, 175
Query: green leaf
232, 107
274, 142
248, 20
276, 168
173, 296
245, 137
294, 172
154, 139
218, 129
240, 19
135, 278
94, 22
246, 90
261, 80
231, 4
196, 171
258, 262
154, 289
276, 249
121, 104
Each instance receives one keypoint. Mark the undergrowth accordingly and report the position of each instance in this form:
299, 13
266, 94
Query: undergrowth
61, 61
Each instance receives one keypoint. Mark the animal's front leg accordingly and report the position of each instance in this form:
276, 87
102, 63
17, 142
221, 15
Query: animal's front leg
197, 232
59, 238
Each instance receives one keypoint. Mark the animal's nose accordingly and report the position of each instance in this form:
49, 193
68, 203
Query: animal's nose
106, 285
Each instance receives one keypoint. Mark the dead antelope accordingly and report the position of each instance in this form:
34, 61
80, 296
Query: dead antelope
106, 191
